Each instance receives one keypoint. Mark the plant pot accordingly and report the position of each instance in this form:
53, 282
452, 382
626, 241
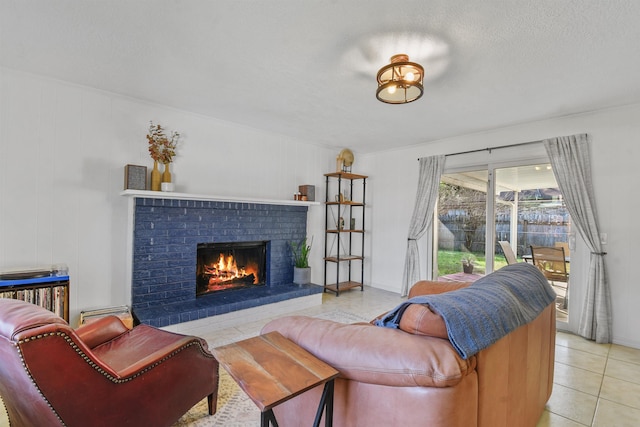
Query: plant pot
467, 268
301, 276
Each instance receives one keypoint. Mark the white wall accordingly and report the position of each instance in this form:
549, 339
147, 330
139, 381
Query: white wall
615, 153
62, 153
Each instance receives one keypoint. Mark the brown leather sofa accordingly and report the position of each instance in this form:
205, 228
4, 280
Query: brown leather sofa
396, 377
101, 374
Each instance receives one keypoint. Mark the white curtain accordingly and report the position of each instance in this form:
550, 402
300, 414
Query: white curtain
426, 197
571, 164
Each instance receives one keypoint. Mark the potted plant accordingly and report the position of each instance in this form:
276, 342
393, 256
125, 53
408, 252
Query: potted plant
301, 269
468, 261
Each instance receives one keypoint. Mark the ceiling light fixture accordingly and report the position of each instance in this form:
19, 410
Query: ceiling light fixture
400, 81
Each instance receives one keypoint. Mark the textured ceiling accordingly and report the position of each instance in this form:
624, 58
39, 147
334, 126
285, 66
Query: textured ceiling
308, 68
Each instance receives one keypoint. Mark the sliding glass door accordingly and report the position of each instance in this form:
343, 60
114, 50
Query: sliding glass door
460, 234
487, 218
530, 213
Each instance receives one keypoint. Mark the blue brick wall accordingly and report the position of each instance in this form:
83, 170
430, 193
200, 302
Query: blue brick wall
166, 235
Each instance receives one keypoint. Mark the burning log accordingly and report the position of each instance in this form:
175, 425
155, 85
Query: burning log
245, 280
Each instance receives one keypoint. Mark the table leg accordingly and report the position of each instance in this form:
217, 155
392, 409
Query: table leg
268, 417
326, 406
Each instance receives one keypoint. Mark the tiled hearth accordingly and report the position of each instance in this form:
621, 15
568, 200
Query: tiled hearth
166, 233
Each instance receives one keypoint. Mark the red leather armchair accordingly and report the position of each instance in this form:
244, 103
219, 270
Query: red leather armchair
101, 374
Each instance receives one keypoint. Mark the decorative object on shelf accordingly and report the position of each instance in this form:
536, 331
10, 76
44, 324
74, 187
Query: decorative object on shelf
167, 187
340, 225
400, 82
156, 177
301, 269
166, 175
135, 177
353, 224
309, 191
347, 160
162, 148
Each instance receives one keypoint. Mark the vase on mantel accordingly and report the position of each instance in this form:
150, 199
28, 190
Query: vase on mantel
166, 175
156, 179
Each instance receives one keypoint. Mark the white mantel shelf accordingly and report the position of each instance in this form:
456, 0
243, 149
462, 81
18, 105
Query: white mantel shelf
145, 194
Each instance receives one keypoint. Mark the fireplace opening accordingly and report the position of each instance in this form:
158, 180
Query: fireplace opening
230, 265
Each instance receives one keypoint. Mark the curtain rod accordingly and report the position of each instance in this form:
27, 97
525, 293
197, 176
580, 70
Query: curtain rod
489, 149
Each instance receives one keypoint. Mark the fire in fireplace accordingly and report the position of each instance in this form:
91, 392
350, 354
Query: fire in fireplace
230, 265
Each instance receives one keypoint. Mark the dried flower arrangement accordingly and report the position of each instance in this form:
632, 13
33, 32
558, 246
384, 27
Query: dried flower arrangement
161, 147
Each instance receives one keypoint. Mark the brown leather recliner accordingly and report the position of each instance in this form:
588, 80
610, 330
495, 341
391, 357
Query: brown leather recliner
101, 374
404, 377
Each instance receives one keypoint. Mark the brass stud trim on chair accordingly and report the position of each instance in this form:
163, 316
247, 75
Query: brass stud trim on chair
26, 369
90, 362
113, 379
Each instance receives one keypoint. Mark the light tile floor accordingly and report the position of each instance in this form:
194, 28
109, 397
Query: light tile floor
594, 385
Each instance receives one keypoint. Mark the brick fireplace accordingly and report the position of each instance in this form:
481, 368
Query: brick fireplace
166, 235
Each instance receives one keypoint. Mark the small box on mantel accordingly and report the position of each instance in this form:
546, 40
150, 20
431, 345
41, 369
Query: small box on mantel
135, 177
309, 191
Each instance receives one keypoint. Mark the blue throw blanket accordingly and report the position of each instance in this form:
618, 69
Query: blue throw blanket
493, 306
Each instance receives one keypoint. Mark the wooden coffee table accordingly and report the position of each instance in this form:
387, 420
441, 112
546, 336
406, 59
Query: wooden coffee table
272, 369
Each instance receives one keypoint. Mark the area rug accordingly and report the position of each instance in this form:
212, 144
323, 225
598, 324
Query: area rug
234, 407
